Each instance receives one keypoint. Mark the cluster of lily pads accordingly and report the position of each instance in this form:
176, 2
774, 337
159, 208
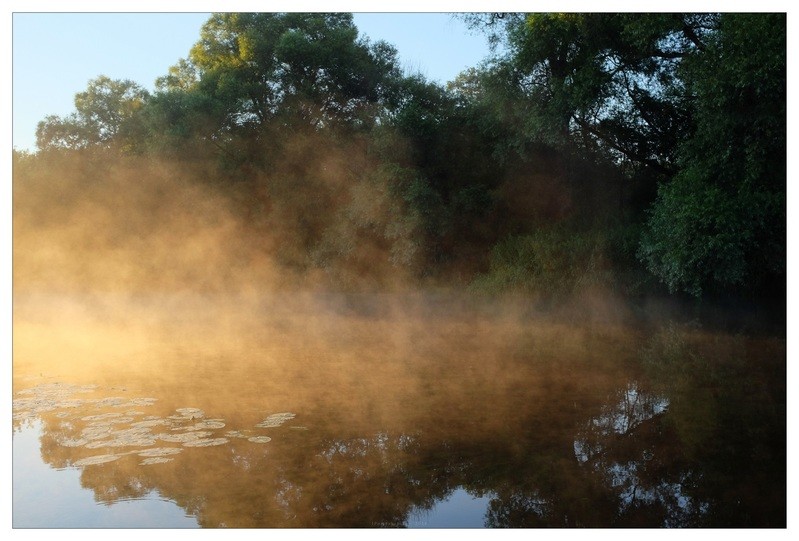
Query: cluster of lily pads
130, 428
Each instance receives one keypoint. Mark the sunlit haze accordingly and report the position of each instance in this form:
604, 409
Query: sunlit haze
345, 269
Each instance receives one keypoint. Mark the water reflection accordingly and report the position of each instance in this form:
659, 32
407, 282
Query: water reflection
307, 420
623, 445
45, 497
458, 510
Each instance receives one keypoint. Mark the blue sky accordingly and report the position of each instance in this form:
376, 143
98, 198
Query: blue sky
56, 54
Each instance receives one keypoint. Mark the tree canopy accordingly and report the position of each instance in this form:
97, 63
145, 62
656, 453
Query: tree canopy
107, 113
696, 99
263, 66
660, 138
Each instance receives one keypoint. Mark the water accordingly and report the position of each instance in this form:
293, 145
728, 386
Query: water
46, 497
309, 412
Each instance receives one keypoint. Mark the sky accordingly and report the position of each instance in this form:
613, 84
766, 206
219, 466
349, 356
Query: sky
56, 54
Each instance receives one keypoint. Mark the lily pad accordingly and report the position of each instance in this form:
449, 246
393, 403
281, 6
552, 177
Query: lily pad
148, 423
122, 441
101, 417
69, 442
143, 401
184, 437
155, 460
191, 413
160, 451
209, 424
206, 442
276, 419
99, 459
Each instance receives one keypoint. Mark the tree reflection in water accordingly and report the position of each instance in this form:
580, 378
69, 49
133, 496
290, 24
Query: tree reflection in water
623, 445
687, 430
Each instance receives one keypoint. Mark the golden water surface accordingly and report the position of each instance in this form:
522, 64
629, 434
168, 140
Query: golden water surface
334, 411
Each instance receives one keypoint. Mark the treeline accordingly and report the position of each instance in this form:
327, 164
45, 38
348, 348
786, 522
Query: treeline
621, 152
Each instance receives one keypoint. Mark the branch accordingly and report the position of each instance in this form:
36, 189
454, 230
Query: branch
627, 152
220, 147
668, 55
689, 33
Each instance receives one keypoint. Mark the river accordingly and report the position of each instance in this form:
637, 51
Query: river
322, 411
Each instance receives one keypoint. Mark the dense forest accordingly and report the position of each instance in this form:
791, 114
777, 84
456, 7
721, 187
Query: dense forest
628, 154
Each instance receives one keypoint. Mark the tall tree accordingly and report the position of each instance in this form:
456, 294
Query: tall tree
309, 67
698, 99
603, 80
721, 222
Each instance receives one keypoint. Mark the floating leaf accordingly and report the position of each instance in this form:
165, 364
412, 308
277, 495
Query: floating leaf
155, 460
206, 443
69, 442
101, 417
123, 441
209, 424
191, 413
276, 419
148, 423
99, 459
160, 451
144, 401
184, 437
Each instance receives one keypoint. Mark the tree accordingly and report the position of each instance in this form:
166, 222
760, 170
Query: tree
107, 114
602, 81
697, 99
299, 66
721, 222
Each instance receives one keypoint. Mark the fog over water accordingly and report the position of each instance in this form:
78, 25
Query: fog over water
172, 339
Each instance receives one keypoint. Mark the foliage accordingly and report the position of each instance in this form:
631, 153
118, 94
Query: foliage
548, 263
107, 113
591, 147
698, 99
721, 222
306, 67
603, 81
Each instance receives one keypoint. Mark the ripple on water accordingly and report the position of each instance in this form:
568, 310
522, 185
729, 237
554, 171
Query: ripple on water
143, 401
112, 402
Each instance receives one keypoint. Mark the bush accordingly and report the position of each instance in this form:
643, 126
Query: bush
549, 263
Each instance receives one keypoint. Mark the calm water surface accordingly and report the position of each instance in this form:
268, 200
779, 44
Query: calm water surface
309, 412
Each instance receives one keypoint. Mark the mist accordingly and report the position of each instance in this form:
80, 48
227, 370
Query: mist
432, 290
132, 270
